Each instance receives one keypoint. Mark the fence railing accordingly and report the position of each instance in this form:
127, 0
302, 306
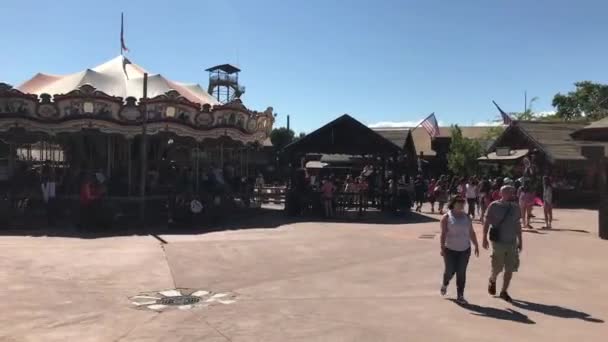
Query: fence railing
269, 194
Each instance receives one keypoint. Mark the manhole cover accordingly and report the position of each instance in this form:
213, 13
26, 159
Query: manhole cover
183, 299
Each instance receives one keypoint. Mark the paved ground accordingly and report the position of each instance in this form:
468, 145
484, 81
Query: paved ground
301, 282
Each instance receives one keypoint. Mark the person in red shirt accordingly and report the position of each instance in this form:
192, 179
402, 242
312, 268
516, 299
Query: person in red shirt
89, 196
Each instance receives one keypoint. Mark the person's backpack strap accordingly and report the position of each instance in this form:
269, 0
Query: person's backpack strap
504, 217
494, 230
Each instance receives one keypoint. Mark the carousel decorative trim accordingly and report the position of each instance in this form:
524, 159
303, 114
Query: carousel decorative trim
88, 108
181, 299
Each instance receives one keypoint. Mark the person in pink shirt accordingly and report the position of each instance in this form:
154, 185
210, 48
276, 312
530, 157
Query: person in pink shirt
327, 197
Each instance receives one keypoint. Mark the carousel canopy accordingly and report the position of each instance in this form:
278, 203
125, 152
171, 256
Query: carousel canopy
117, 77
108, 99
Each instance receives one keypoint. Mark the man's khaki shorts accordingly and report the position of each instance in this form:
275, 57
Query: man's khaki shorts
504, 256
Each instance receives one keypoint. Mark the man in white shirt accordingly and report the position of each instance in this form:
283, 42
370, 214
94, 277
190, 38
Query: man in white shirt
471, 194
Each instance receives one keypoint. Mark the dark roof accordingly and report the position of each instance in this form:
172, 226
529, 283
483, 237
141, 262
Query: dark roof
422, 140
597, 130
345, 135
228, 68
397, 136
553, 138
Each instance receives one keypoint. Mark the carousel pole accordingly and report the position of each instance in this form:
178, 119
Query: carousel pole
11, 160
196, 164
109, 157
129, 166
222, 155
247, 161
144, 153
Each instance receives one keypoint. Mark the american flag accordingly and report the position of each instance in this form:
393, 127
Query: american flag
123, 47
506, 119
430, 125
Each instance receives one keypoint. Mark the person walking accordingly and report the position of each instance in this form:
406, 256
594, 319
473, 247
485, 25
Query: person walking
548, 201
502, 226
526, 202
485, 198
441, 194
327, 194
431, 195
48, 186
471, 191
420, 192
457, 233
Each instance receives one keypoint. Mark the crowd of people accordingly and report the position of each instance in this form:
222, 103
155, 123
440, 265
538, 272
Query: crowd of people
89, 197
479, 192
356, 191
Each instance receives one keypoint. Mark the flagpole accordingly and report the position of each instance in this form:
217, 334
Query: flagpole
144, 153
121, 31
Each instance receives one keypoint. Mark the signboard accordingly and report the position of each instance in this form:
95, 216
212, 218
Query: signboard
503, 151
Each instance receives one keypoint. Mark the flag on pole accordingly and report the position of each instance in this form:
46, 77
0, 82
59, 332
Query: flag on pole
506, 119
123, 47
430, 125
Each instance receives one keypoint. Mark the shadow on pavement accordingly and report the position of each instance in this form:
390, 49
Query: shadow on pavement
556, 311
533, 231
247, 219
486, 311
566, 230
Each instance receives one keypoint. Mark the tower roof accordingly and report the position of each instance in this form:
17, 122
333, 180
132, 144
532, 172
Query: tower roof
227, 68
116, 77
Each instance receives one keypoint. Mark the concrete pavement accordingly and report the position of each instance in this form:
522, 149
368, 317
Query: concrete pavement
302, 282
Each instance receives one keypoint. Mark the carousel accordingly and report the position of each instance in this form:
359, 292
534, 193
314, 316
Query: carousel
139, 132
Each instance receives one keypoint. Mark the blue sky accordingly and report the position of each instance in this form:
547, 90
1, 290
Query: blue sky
380, 61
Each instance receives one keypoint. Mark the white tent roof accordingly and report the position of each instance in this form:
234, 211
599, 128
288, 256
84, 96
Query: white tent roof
116, 77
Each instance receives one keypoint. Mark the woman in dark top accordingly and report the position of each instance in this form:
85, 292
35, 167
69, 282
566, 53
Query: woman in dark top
419, 191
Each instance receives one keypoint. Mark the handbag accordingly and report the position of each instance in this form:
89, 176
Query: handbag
494, 232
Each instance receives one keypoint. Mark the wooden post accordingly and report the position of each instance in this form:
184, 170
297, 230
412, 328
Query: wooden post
596, 156
383, 184
144, 153
603, 210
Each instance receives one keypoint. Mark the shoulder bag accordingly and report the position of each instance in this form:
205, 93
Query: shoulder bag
494, 229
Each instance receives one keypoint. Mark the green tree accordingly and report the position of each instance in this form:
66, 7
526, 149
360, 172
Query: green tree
493, 133
281, 137
588, 100
528, 114
462, 159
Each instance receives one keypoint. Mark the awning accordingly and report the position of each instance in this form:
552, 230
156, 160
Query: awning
315, 164
509, 155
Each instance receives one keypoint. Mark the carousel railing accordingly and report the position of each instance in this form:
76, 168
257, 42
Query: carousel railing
267, 194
